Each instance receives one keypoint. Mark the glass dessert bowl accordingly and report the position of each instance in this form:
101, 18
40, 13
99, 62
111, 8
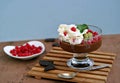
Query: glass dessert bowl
80, 40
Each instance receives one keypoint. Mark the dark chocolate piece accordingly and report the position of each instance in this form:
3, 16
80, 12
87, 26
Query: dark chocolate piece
56, 44
50, 40
49, 67
45, 63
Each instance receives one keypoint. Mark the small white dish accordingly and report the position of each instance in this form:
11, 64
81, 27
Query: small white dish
36, 43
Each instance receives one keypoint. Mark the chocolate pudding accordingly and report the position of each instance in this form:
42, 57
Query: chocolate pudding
80, 48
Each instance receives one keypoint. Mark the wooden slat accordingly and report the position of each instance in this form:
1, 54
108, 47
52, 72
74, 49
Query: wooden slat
97, 72
85, 75
64, 59
60, 58
90, 55
54, 76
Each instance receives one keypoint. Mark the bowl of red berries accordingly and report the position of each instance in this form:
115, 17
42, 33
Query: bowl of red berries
26, 51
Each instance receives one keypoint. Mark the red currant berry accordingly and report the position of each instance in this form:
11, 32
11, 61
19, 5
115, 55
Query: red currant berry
90, 31
73, 29
65, 33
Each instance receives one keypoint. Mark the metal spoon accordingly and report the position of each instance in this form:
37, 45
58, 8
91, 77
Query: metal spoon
73, 74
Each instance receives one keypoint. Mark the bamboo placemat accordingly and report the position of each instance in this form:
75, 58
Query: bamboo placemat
60, 58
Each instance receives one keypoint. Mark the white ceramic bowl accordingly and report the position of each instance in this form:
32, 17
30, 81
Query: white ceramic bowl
36, 43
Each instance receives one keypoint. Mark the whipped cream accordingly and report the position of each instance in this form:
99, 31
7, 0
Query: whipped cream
70, 34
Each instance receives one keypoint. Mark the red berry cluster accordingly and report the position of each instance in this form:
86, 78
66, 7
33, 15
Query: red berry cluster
94, 33
25, 50
94, 39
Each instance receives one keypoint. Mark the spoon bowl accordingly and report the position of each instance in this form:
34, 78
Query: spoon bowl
67, 75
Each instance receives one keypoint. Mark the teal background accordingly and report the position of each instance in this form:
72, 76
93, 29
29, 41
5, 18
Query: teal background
38, 19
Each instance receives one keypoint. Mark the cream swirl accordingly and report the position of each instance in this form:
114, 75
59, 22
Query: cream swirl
70, 34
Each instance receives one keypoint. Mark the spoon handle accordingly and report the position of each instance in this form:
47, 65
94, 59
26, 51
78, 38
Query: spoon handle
99, 67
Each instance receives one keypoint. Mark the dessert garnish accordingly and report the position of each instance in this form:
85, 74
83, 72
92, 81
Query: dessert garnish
77, 34
49, 65
25, 50
82, 27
